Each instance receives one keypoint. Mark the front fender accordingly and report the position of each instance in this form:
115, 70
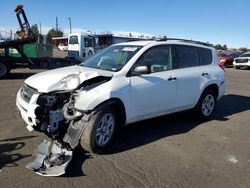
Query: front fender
87, 100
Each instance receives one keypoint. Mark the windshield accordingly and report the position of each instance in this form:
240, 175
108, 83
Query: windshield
245, 55
73, 40
112, 58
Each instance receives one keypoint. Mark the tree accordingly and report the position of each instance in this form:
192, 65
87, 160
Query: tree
218, 47
224, 47
53, 33
34, 29
36, 33
243, 49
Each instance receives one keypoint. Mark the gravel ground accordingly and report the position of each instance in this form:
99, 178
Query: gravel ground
59, 54
170, 151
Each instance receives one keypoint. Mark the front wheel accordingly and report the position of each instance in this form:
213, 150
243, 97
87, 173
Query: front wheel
100, 131
206, 104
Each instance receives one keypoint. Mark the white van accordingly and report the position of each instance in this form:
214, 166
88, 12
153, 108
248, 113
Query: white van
80, 46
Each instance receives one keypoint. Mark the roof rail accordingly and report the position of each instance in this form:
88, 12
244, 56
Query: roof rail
186, 40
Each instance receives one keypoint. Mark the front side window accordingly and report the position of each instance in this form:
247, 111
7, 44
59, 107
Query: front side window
89, 42
112, 58
186, 56
158, 58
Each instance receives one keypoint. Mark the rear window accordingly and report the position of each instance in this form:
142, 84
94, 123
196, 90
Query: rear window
186, 56
205, 56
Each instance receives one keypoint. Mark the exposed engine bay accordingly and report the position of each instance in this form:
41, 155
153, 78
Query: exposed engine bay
56, 116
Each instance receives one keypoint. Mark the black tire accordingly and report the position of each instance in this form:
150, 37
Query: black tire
89, 139
205, 112
4, 70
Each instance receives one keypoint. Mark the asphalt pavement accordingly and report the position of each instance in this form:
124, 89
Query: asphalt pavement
170, 151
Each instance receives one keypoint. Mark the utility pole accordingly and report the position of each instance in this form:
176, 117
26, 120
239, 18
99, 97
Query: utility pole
56, 24
40, 27
69, 25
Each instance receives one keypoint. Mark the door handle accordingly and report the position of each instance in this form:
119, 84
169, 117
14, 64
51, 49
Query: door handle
171, 78
204, 74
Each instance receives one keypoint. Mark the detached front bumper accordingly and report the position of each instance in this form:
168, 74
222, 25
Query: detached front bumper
27, 109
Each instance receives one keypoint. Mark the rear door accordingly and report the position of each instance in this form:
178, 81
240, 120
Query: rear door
191, 74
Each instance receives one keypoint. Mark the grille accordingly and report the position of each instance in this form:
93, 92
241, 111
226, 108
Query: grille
73, 54
27, 92
241, 60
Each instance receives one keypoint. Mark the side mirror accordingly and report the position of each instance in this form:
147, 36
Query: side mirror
141, 70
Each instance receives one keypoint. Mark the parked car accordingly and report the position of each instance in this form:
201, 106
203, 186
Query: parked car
122, 84
227, 58
62, 47
243, 61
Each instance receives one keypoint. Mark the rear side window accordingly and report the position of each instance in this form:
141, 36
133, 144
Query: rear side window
186, 56
205, 56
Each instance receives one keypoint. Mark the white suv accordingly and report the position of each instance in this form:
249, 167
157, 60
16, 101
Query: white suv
121, 84
242, 61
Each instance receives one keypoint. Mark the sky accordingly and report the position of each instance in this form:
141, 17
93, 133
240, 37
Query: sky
214, 21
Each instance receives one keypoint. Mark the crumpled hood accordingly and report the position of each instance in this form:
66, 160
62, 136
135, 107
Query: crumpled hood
47, 81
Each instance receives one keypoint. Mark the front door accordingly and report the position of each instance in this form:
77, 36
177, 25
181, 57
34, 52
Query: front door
155, 93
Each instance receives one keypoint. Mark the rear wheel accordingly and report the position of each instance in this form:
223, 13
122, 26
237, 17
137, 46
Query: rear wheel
100, 131
4, 70
206, 104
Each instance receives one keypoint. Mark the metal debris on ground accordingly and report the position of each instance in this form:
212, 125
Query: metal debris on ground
52, 159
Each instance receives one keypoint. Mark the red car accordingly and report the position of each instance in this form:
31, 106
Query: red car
227, 58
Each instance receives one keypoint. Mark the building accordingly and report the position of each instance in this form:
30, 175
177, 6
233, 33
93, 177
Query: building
57, 40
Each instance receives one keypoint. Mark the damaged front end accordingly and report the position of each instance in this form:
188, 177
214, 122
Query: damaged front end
55, 115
